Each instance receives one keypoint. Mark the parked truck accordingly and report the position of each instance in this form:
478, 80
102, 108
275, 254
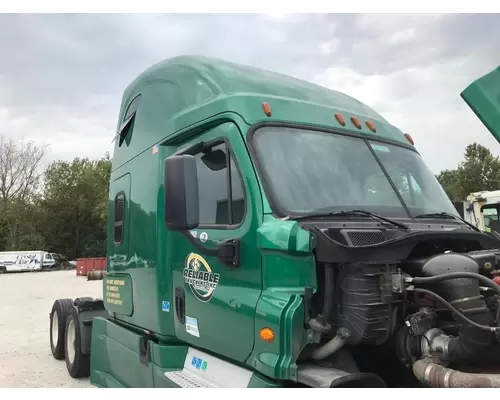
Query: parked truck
23, 261
481, 209
268, 232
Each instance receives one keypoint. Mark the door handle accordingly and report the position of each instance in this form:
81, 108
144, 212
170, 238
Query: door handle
180, 304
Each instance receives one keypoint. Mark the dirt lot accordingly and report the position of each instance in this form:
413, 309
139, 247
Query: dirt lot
25, 303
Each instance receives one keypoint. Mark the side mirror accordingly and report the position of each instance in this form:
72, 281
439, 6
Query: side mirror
181, 193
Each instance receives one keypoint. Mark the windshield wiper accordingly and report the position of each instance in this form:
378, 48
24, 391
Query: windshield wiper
447, 215
354, 213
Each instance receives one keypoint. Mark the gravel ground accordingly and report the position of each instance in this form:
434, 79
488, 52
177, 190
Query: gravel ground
26, 300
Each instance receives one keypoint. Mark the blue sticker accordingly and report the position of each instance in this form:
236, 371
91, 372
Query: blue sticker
198, 363
194, 361
165, 306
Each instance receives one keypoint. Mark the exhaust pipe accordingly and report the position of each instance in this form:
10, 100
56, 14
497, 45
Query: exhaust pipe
437, 376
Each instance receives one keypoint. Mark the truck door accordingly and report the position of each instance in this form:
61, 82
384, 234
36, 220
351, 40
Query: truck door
218, 305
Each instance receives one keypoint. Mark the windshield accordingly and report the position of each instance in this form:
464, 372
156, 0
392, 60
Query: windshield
307, 171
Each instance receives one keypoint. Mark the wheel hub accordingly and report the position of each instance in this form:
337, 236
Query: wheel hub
55, 328
71, 341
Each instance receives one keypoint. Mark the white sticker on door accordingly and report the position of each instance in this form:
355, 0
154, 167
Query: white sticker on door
204, 237
192, 326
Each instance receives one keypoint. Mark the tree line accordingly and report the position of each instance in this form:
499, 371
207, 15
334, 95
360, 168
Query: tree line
479, 171
61, 208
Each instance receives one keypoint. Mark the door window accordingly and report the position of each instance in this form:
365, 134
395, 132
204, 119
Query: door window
222, 197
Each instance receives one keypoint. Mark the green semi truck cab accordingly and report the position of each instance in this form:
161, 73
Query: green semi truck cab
264, 231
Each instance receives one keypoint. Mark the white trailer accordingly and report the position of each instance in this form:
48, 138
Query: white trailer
18, 261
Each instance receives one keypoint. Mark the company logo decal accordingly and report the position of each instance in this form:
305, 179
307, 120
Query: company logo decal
199, 277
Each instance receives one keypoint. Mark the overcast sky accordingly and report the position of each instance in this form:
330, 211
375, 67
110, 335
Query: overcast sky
62, 76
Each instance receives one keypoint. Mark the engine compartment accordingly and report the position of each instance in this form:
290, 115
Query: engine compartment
428, 302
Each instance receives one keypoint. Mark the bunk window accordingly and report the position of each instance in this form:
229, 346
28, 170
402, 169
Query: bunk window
119, 217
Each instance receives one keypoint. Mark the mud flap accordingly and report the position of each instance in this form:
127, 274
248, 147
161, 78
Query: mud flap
87, 311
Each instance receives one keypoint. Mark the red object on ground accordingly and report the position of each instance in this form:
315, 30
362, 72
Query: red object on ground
85, 265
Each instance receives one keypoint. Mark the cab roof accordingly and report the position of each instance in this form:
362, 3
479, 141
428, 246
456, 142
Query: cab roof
224, 78
181, 91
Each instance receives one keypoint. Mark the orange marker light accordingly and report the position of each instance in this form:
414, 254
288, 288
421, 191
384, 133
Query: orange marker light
267, 109
410, 139
371, 126
340, 118
356, 122
266, 334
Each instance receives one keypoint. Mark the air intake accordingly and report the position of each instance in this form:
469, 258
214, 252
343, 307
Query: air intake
358, 237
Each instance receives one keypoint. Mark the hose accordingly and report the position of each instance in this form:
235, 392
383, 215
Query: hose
329, 291
322, 322
437, 376
454, 275
455, 311
332, 345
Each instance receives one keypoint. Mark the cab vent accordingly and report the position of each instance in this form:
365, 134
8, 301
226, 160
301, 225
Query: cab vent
358, 237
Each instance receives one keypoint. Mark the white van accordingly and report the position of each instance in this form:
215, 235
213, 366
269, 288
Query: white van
17, 261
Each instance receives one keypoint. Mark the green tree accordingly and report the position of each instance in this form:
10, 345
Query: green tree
479, 171
75, 204
20, 180
450, 181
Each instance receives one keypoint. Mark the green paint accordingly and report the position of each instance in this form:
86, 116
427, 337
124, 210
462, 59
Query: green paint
184, 101
483, 97
282, 311
226, 322
114, 350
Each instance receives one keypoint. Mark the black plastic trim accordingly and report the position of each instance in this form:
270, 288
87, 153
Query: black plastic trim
329, 250
180, 304
124, 130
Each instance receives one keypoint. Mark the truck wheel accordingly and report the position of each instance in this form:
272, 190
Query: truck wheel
58, 316
3, 270
80, 300
78, 364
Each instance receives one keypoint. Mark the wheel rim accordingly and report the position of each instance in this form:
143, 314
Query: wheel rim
71, 340
55, 328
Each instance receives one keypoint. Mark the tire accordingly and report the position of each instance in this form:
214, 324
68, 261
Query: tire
60, 310
77, 363
80, 300
3, 270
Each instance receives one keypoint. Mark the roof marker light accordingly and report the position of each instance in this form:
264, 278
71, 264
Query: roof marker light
371, 126
267, 109
340, 119
410, 139
356, 122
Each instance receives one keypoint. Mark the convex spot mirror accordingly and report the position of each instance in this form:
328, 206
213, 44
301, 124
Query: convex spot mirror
215, 160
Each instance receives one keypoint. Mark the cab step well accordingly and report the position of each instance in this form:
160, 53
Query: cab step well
204, 370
